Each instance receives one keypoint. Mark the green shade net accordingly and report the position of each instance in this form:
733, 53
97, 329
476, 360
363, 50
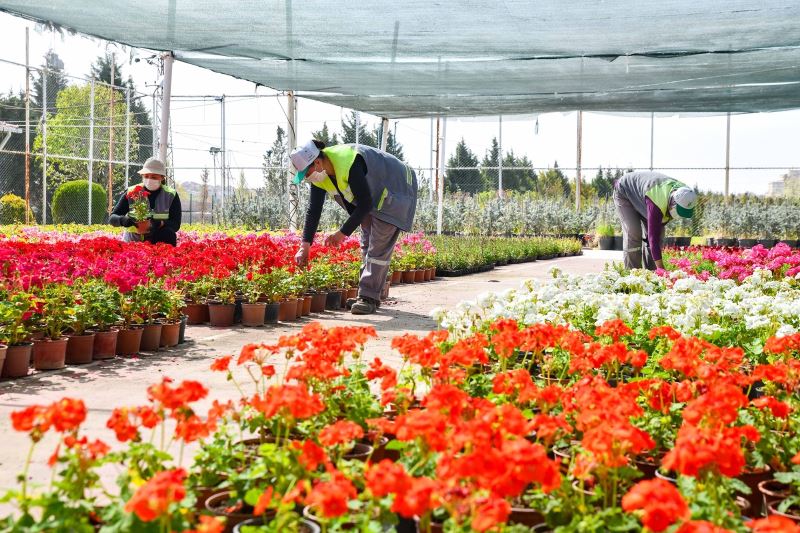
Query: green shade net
403, 59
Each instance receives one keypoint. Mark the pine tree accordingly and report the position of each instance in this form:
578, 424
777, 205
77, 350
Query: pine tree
275, 164
56, 82
101, 70
491, 160
518, 173
325, 135
464, 179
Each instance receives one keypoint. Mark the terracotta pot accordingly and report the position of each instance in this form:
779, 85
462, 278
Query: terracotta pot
525, 516
298, 310
129, 341
288, 310
253, 315
333, 301
648, 466
271, 313
752, 480
408, 276
419, 276
427, 274
3, 349
397, 277
217, 504
170, 334
359, 452
773, 491
105, 345
197, 313
352, 293
49, 354
792, 513
433, 272
80, 349
318, 302
18, 360
221, 315
151, 338
307, 305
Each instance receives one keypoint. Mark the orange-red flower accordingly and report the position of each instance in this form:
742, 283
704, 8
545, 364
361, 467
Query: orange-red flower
291, 400
490, 513
221, 364
67, 414
329, 498
387, 477
773, 524
311, 455
615, 329
778, 408
701, 526
264, 502
34, 419
660, 502
340, 432
209, 524
418, 499
154, 498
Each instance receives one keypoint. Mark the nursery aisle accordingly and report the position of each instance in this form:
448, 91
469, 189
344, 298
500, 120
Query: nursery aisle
105, 385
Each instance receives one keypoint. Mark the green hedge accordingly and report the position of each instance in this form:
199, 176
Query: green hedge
12, 209
70, 203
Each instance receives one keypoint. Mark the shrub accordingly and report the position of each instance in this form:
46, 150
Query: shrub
70, 203
12, 209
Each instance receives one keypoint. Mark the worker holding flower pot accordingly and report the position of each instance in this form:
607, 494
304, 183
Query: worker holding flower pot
378, 191
646, 201
150, 211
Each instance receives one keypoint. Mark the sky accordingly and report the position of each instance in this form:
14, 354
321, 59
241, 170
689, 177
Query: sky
688, 148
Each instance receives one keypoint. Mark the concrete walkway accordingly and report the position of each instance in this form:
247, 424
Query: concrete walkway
105, 385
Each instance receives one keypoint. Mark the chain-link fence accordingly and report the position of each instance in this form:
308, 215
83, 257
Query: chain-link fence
228, 158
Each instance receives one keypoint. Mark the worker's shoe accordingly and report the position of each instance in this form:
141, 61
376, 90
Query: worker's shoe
349, 303
364, 306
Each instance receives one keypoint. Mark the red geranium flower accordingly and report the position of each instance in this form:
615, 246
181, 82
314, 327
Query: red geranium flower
154, 498
660, 501
340, 432
773, 524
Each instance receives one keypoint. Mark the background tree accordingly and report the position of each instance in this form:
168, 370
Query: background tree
204, 195
12, 165
68, 134
53, 71
464, 179
518, 173
368, 137
552, 183
491, 160
275, 164
325, 135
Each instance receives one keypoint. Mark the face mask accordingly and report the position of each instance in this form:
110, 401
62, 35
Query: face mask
673, 212
316, 177
151, 184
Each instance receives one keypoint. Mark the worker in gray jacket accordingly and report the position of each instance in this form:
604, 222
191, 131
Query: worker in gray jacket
646, 201
378, 191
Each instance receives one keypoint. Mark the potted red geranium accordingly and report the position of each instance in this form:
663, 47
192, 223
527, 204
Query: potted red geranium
139, 208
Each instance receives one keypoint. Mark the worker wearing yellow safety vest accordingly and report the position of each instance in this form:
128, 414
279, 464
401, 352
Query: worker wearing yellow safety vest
378, 191
165, 207
646, 201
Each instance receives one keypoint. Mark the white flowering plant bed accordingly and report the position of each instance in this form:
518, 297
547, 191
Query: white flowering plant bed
719, 310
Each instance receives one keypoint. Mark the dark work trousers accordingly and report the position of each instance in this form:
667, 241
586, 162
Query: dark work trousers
377, 245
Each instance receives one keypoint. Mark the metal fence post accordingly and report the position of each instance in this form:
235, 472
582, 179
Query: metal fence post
127, 134
44, 147
191, 196
91, 148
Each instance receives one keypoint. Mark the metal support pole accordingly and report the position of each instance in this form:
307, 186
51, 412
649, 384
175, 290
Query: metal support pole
384, 133
127, 134
500, 157
430, 164
91, 149
728, 156
44, 147
652, 132
435, 170
358, 126
111, 158
440, 207
191, 207
578, 165
166, 95
294, 190
154, 145
222, 152
27, 127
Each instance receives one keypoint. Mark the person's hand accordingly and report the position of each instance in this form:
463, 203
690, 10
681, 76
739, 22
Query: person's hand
335, 239
301, 257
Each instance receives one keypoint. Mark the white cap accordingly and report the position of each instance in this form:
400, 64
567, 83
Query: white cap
302, 157
154, 166
685, 200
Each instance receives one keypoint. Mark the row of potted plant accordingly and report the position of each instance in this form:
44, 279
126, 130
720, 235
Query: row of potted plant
738, 264
511, 428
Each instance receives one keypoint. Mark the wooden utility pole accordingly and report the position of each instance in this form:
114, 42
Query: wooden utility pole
27, 128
